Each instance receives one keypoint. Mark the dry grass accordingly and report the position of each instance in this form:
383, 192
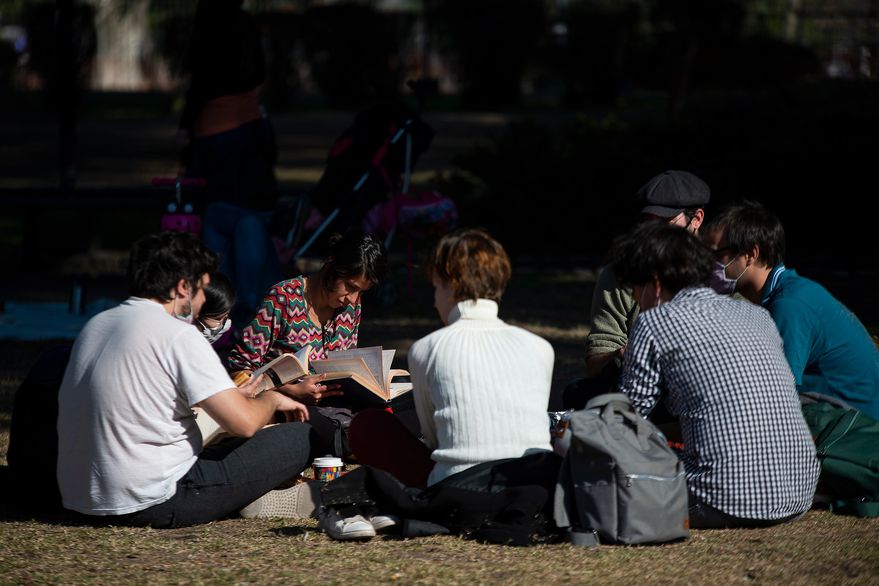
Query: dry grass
821, 548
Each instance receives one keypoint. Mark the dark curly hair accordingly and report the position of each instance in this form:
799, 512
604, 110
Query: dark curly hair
351, 255
157, 262
673, 255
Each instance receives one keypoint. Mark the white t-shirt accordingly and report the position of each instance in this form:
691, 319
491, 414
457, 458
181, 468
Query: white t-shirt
126, 431
481, 389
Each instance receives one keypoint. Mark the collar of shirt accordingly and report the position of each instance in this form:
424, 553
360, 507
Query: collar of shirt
480, 309
772, 283
697, 292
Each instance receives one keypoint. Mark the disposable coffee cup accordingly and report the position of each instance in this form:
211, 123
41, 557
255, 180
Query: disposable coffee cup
327, 468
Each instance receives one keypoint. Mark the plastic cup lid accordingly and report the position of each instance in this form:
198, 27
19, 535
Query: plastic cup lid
327, 461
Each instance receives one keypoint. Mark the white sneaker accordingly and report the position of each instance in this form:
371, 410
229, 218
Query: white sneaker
335, 526
380, 522
300, 501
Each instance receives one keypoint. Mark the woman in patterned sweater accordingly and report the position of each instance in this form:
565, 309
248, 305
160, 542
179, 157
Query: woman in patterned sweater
321, 311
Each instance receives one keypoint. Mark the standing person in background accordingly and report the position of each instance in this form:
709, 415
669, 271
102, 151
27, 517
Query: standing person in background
675, 197
748, 454
321, 311
229, 141
829, 350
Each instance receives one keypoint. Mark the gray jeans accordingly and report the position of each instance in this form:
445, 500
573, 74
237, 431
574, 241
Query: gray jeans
230, 475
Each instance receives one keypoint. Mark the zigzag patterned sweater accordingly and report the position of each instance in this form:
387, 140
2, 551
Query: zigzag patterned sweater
281, 325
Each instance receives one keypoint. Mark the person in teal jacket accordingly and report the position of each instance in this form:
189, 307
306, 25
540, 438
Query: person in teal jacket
829, 350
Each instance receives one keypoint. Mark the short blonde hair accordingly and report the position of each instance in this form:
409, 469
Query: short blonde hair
474, 264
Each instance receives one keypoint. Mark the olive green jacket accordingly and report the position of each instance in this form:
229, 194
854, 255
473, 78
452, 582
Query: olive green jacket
612, 314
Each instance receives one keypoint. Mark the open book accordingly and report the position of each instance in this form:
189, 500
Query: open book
365, 374
284, 369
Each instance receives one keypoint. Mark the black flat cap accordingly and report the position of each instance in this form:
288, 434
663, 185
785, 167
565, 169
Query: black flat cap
671, 192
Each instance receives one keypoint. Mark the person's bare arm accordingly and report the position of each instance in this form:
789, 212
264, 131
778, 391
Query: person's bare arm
242, 416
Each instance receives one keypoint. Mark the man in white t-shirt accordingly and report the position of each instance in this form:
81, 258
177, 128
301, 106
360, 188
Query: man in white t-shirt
129, 449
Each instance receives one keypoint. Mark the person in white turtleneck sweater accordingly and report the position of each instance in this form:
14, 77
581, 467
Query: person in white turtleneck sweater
481, 386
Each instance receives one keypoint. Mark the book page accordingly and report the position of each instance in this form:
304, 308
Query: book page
344, 365
284, 369
372, 357
207, 425
387, 360
399, 388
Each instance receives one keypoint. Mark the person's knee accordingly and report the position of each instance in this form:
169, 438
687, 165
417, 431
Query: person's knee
574, 395
364, 425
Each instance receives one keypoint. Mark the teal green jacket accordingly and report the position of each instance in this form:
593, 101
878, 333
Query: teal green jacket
829, 350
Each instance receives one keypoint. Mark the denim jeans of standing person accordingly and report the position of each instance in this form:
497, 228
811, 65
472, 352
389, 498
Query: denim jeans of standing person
247, 255
228, 476
242, 192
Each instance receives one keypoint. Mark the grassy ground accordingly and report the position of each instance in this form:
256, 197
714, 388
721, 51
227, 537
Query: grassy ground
820, 548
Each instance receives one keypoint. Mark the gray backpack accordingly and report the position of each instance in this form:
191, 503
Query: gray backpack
619, 481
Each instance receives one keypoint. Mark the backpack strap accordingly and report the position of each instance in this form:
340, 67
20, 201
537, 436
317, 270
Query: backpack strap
620, 404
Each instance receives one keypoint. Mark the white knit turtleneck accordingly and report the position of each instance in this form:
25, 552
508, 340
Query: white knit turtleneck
481, 389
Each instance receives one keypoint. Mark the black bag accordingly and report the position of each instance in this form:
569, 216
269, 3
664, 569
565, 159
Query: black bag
335, 430
33, 435
505, 501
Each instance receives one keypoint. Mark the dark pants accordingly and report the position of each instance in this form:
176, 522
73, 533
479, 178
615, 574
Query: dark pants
380, 439
228, 476
704, 516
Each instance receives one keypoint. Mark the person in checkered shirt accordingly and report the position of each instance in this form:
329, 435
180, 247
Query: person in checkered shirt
718, 365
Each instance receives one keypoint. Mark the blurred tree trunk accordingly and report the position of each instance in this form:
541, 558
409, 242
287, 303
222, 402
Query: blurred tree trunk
123, 44
792, 21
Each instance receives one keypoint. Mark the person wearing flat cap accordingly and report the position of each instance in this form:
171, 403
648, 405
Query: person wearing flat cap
675, 197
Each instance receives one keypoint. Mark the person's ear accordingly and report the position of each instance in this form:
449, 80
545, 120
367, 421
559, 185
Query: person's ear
753, 255
182, 288
697, 219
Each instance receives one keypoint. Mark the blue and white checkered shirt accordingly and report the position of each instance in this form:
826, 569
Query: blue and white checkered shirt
719, 362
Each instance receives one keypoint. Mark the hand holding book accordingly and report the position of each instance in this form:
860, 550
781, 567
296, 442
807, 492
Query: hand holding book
363, 375
311, 389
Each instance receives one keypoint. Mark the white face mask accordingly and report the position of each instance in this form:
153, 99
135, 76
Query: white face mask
184, 317
212, 335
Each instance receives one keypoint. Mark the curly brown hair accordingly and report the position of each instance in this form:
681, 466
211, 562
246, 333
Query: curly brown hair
473, 263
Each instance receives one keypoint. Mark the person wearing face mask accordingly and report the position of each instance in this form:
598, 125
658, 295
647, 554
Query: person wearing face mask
829, 350
719, 364
129, 448
219, 298
321, 311
674, 197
